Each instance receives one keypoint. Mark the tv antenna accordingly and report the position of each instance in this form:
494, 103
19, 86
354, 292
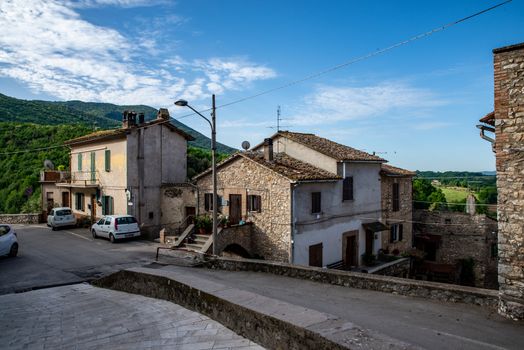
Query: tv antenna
279, 119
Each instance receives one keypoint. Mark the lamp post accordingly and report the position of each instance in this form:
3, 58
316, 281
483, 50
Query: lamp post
212, 124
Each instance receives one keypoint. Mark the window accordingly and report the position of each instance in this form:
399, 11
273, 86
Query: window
79, 201
254, 203
347, 189
108, 221
126, 220
107, 205
49, 196
395, 234
316, 202
79, 161
396, 197
208, 201
63, 212
108, 160
4, 230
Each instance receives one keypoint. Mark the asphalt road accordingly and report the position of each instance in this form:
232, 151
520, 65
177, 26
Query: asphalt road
46, 258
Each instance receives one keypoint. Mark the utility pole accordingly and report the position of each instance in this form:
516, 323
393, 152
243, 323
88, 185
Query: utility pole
214, 165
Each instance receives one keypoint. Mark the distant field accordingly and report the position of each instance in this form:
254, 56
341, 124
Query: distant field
455, 194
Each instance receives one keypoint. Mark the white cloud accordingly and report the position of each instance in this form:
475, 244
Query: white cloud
46, 45
331, 104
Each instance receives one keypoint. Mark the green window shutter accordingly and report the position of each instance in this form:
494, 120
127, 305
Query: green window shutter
111, 210
79, 161
104, 206
93, 167
108, 160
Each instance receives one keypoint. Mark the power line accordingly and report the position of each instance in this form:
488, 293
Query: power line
355, 60
33, 150
455, 203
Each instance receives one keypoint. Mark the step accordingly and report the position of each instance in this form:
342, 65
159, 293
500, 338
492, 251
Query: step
204, 237
195, 247
279, 324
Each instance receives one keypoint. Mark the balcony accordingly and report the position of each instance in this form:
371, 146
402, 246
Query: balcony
83, 179
53, 176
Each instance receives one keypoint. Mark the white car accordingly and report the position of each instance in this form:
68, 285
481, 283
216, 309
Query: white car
8, 241
116, 227
60, 217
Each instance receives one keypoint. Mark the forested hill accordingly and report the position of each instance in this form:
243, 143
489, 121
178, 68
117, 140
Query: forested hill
91, 114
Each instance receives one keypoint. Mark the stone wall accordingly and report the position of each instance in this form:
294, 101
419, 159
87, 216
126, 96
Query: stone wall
403, 216
509, 148
239, 234
19, 218
173, 201
271, 238
396, 268
395, 285
462, 236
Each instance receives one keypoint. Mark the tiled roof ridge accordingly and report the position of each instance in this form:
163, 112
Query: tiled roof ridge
396, 170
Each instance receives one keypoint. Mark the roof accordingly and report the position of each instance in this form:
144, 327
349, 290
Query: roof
488, 119
284, 165
116, 133
394, 171
329, 148
509, 48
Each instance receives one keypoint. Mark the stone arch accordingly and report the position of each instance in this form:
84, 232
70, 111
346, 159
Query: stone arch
236, 249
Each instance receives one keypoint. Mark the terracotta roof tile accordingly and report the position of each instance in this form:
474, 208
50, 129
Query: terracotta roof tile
282, 164
392, 170
488, 119
330, 148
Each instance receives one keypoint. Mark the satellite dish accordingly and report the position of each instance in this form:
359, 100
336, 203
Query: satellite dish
246, 145
49, 164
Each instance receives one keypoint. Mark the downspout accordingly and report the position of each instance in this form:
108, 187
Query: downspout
484, 128
293, 226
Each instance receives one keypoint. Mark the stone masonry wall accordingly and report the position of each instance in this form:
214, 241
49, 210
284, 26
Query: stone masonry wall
19, 218
271, 237
509, 148
463, 236
404, 215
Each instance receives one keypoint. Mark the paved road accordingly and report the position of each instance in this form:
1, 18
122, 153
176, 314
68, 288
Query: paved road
49, 257
84, 317
425, 323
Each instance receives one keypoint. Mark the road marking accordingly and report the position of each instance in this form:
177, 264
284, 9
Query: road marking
80, 236
478, 342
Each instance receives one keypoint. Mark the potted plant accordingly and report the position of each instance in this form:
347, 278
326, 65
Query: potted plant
204, 224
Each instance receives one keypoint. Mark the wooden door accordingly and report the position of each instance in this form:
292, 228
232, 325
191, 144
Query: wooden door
235, 208
65, 199
190, 212
315, 255
351, 251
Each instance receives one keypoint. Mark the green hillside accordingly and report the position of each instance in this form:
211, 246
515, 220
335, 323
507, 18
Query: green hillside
102, 115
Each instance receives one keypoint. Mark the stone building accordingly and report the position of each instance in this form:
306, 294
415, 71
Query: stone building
397, 208
449, 238
507, 121
310, 220
122, 171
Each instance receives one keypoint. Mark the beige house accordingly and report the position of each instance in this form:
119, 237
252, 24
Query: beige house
311, 201
122, 171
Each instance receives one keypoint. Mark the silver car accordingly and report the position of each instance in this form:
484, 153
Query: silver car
8, 241
60, 217
116, 227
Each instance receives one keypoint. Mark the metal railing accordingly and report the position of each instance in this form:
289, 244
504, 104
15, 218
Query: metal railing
85, 177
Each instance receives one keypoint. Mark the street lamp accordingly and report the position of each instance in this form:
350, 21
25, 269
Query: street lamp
183, 103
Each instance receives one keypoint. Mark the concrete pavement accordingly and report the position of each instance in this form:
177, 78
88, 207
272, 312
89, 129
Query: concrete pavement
85, 317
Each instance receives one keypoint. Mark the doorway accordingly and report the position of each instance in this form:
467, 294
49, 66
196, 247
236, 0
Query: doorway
190, 213
370, 237
315, 255
65, 199
235, 208
93, 208
350, 249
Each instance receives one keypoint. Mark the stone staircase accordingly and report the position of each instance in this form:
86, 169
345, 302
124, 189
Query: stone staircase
198, 243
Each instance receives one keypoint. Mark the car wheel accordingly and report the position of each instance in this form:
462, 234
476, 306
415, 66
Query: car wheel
53, 228
14, 250
111, 238
94, 234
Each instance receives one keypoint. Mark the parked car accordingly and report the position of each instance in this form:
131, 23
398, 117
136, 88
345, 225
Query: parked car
116, 227
8, 241
61, 217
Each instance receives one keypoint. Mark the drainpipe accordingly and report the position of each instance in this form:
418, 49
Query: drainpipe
293, 226
484, 128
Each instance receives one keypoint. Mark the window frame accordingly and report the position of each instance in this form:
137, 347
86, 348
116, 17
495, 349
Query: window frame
395, 197
396, 233
107, 160
79, 201
254, 203
79, 162
316, 202
348, 189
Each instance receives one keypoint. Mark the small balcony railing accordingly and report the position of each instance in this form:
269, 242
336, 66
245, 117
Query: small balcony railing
54, 176
85, 178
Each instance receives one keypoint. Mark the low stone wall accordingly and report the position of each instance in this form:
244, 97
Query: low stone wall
240, 234
396, 268
271, 332
394, 285
19, 218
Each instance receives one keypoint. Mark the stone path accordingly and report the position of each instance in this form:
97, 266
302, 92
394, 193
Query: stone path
85, 317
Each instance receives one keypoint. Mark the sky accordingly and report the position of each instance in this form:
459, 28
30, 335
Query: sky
415, 105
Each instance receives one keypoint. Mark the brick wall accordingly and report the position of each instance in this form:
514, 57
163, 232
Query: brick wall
271, 237
509, 148
462, 236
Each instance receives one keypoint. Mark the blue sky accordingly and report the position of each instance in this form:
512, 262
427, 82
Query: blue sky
416, 105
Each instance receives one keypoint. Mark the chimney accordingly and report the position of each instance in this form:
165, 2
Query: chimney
163, 113
268, 149
131, 119
141, 118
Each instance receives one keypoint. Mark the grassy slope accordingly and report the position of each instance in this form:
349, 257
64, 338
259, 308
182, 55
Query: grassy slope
455, 194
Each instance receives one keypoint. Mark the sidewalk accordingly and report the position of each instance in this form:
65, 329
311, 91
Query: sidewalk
85, 317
